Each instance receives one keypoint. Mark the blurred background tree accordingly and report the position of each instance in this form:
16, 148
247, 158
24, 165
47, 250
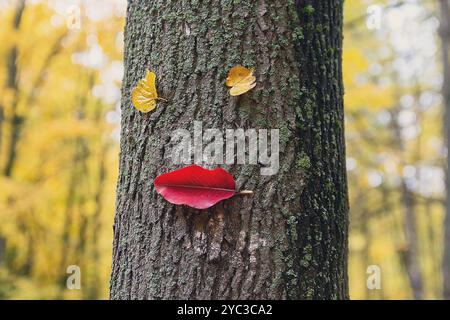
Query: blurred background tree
59, 117
396, 151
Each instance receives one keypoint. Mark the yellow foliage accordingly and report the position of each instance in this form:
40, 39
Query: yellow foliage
241, 80
62, 182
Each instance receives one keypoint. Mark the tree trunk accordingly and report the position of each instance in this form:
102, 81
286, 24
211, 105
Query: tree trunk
410, 253
287, 241
445, 49
12, 83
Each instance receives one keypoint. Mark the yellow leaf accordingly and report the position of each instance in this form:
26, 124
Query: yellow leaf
144, 95
241, 80
241, 88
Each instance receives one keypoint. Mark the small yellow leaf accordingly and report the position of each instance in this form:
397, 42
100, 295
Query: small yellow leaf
144, 95
241, 88
241, 80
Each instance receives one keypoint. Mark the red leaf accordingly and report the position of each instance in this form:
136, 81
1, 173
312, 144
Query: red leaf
195, 186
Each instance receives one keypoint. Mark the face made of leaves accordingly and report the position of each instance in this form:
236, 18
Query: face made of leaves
241, 80
144, 95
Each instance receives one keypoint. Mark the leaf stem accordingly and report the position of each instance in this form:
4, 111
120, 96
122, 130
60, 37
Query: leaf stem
245, 192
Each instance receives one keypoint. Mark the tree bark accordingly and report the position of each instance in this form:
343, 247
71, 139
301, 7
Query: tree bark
287, 241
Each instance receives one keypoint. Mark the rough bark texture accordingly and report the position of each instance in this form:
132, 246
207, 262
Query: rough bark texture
288, 241
445, 49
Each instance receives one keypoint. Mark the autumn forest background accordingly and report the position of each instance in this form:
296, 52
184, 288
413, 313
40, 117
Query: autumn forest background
60, 73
